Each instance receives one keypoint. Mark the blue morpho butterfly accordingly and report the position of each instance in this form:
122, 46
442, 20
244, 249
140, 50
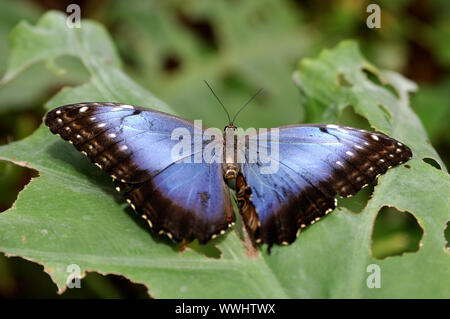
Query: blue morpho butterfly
188, 200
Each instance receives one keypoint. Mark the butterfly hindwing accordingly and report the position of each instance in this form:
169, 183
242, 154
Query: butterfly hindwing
315, 163
134, 146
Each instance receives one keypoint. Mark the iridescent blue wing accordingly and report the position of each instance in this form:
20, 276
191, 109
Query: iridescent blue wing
315, 163
134, 146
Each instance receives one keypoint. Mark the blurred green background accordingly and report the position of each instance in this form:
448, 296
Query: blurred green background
169, 47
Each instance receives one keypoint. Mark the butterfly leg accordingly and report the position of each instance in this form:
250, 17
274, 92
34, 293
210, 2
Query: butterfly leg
247, 210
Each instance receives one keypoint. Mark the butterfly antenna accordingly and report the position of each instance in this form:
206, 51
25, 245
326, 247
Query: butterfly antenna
228, 114
254, 95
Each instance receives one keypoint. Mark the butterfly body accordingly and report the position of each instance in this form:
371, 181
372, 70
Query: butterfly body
230, 167
187, 199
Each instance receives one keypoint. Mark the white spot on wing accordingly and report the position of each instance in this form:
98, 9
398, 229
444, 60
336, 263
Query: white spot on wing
84, 109
101, 125
349, 153
376, 138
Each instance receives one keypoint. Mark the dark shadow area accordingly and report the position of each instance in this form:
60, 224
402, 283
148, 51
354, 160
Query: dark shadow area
394, 233
357, 202
20, 278
376, 80
201, 28
171, 63
209, 250
13, 179
447, 236
348, 117
110, 286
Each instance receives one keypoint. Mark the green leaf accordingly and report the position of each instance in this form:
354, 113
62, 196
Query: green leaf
258, 42
70, 214
33, 86
342, 77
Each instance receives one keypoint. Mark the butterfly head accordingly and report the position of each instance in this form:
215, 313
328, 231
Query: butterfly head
230, 129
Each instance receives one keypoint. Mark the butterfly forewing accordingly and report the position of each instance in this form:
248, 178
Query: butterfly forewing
134, 146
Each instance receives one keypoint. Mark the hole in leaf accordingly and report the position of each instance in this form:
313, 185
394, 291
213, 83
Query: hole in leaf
233, 81
109, 286
394, 233
431, 162
16, 125
342, 81
407, 166
208, 250
376, 80
357, 202
386, 112
202, 28
20, 278
349, 117
13, 178
447, 236
171, 64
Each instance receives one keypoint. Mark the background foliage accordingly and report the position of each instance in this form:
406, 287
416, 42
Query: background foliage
168, 48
